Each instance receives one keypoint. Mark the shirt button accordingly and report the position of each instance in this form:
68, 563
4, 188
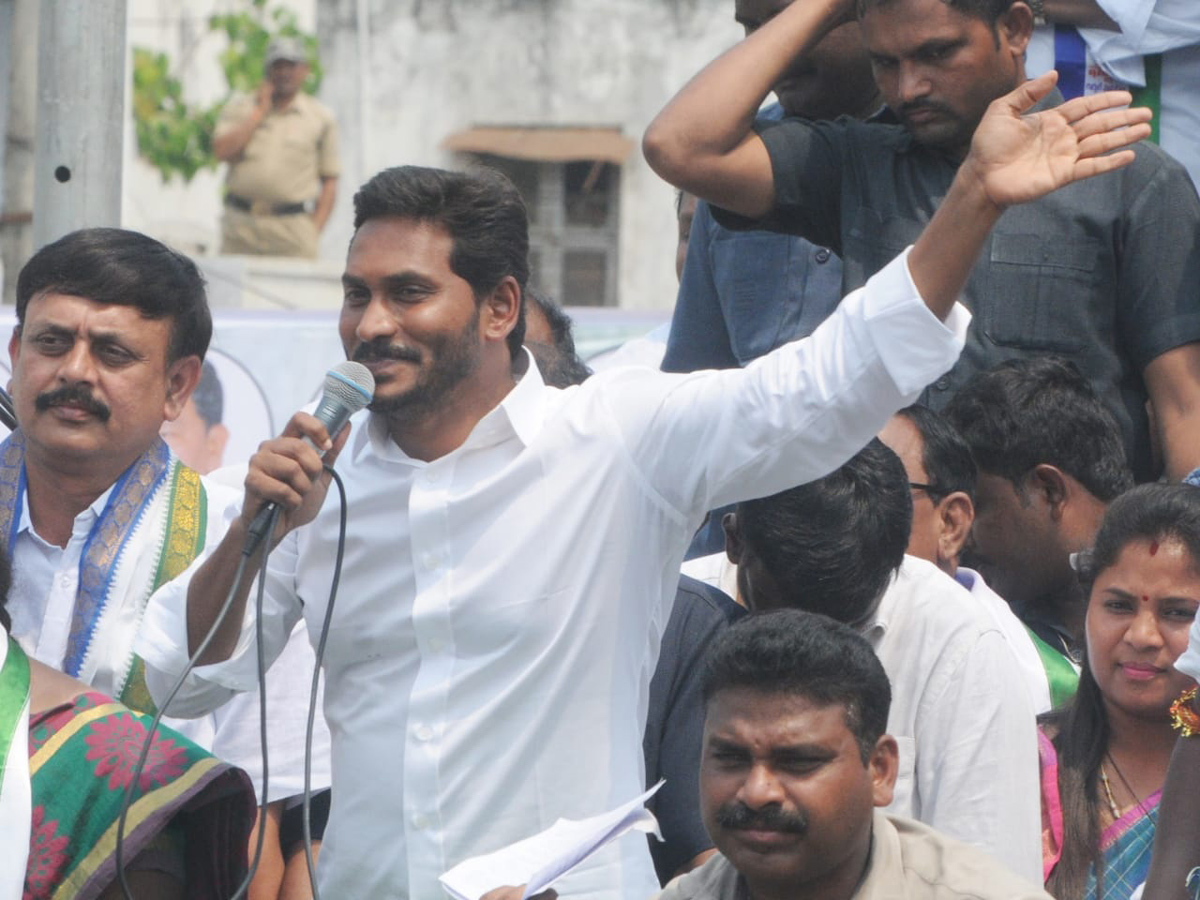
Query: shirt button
823, 256
437, 645
942, 384
424, 733
430, 477
431, 561
420, 822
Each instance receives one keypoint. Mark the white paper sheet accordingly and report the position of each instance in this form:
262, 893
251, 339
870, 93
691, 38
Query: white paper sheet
537, 862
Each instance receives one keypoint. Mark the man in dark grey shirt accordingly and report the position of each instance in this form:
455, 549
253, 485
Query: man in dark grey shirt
1106, 272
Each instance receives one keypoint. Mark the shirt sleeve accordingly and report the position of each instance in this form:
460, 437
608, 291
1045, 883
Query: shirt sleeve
699, 337
677, 719
977, 769
807, 159
791, 416
1160, 259
233, 113
1189, 662
1147, 26
328, 163
162, 641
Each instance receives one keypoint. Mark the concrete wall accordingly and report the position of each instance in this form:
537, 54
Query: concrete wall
435, 67
401, 75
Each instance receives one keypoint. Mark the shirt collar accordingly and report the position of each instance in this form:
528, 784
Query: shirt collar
877, 625
87, 516
520, 414
884, 877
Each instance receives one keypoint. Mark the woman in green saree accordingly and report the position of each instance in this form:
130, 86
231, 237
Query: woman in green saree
187, 829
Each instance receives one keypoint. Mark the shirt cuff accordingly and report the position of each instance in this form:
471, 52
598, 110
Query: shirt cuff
915, 346
1189, 662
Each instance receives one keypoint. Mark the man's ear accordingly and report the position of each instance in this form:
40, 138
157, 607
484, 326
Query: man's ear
182, 377
1048, 484
733, 538
884, 766
1015, 27
14, 347
501, 309
956, 514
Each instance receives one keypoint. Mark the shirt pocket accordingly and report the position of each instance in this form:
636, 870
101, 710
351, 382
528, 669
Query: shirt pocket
752, 275
1038, 292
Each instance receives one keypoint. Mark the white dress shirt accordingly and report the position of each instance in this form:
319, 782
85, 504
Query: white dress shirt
42, 605
1029, 661
968, 745
1169, 27
489, 658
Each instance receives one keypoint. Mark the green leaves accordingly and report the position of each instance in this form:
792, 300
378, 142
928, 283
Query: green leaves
176, 137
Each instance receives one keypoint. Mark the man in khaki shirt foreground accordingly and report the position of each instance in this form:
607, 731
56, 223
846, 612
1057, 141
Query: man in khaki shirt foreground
794, 763
282, 150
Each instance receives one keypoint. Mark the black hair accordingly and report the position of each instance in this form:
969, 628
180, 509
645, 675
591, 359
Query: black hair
5, 584
833, 545
209, 396
989, 11
799, 653
945, 456
1041, 410
558, 362
124, 268
481, 210
1150, 512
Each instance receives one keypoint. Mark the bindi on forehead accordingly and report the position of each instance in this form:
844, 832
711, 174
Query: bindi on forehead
1153, 548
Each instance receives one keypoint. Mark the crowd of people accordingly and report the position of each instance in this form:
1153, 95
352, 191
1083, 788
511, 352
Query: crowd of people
890, 571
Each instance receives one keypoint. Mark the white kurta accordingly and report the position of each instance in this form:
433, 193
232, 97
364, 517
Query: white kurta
490, 654
1169, 27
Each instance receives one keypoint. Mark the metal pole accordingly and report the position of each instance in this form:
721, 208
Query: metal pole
81, 117
16, 231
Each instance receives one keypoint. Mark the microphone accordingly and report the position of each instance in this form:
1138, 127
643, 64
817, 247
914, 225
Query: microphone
348, 387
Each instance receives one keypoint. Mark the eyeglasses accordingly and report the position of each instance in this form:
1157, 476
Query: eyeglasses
935, 493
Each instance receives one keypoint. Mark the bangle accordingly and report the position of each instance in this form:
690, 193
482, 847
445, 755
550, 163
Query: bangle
1183, 718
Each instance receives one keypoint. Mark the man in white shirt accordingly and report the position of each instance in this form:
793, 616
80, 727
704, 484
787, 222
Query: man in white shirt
968, 747
95, 510
513, 549
941, 479
1150, 46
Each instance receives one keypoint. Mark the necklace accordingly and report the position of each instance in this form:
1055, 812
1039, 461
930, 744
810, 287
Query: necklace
1108, 794
1112, 806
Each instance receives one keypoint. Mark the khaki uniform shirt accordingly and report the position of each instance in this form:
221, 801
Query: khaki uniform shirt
288, 155
909, 861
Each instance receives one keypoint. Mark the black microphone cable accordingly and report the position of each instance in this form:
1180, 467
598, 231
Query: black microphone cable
239, 575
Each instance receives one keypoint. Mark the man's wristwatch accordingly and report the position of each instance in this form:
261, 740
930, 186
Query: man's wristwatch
1039, 11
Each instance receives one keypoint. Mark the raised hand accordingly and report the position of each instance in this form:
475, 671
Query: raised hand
1018, 157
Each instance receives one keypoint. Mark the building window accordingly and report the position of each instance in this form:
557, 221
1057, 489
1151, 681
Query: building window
573, 219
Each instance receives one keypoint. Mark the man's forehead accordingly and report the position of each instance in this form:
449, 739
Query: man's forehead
911, 23
739, 714
905, 440
398, 243
53, 307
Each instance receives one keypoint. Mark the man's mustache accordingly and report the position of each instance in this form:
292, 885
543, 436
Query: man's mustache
924, 103
740, 817
381, 351
74, 395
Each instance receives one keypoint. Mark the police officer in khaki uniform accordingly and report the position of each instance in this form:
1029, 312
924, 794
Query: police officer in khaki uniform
282, 149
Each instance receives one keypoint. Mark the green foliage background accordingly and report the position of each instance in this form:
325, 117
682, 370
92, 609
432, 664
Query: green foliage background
175, 136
